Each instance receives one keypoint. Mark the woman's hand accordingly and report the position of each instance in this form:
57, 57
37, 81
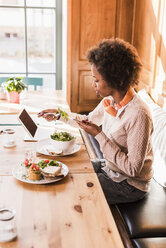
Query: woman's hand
49, 114
89, 127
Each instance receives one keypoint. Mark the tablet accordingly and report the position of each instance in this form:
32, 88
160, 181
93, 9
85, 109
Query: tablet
27, 122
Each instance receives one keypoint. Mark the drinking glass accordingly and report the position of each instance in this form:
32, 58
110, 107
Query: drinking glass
9, 138
8, 230
30, 151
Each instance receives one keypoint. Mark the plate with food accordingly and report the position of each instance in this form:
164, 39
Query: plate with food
49, 150
41, 172
59, 144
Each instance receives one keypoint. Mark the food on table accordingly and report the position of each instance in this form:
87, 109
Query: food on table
54, 153
47, 169
50, 168
63, 141
43, 163
27, 162
34, 172
63, 114
62, 136
51, 171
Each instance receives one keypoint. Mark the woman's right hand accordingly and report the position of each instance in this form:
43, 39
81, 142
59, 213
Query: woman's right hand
49, 114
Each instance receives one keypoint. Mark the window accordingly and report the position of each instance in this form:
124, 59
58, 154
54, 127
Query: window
30, 40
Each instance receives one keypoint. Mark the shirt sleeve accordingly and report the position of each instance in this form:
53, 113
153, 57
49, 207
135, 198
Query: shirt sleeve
139, 132
96, 116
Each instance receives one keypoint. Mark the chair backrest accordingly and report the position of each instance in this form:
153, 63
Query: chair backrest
33, 81
27, 80
3, 79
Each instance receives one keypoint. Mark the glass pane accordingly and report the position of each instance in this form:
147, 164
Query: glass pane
12, 2
41, 40
48, 80
41, 3
12, 75
12, 40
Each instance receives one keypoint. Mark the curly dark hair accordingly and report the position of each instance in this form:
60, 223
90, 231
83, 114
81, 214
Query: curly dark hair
117, 61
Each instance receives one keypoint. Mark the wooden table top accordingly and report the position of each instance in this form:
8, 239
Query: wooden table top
66, 214
78, 162
70, 213
35, 101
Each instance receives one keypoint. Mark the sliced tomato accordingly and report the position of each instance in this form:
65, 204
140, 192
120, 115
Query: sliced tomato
47, 161
26, 162
33, 166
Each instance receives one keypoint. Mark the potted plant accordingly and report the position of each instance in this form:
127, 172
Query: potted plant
14, 86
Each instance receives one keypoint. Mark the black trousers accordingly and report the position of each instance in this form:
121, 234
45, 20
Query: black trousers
116, 192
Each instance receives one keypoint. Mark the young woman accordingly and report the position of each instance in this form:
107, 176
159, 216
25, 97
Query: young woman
125, 135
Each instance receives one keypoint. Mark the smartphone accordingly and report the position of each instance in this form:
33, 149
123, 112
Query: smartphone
83, 121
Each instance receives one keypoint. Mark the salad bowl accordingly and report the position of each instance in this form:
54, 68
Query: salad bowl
62, 141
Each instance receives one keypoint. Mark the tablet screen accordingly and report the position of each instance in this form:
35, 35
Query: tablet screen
28, 123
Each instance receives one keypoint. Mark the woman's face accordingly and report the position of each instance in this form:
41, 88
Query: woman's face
101, 87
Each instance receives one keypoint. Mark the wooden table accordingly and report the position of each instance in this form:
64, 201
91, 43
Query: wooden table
35, 101
77, 163
65, 214
70, 213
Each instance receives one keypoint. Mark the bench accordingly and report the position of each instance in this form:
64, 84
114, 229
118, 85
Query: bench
142, 224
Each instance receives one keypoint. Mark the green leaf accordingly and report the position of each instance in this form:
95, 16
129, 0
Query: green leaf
61, 136
14, 84
63, 114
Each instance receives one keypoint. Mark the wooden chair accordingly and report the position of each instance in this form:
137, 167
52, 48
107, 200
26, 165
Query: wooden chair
27, 80
33, 81
3, 79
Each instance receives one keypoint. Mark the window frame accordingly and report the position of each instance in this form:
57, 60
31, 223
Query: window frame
58, 43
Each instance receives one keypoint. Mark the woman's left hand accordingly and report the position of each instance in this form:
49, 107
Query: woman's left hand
89, 127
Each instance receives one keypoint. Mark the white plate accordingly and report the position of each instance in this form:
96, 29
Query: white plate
43, 150
21, 173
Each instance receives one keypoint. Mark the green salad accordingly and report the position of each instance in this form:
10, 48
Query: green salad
43, 163
63, 114
61, 136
